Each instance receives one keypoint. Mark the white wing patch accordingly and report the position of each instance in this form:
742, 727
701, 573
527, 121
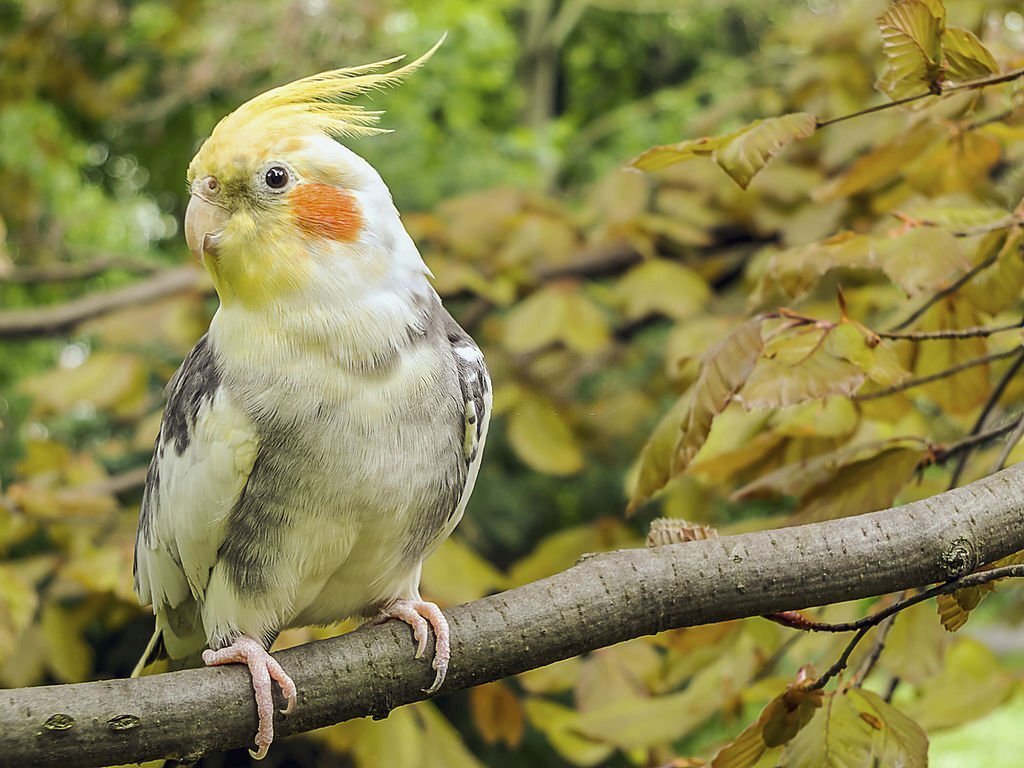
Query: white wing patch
201, 464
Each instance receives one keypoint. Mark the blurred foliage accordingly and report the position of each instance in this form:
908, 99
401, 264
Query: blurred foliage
658, 335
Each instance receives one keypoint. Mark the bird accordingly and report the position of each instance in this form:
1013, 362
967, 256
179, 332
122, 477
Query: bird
323, 437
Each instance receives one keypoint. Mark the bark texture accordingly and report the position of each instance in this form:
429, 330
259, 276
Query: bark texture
604, 599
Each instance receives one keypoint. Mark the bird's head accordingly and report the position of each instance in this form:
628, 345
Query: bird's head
280, 209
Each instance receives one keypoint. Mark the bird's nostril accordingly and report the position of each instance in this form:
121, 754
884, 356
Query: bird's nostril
212, 185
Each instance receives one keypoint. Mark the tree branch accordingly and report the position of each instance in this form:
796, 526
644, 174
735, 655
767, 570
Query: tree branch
67, 271
604, 599
42, 321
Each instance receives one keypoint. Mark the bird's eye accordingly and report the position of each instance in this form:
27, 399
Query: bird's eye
276, 177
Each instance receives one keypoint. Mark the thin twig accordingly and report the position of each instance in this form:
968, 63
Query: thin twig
921, 380
990, 403
877, 646
983, 82
941, 454
978, 332
950, 289
1011, 442
874, 654
864, 625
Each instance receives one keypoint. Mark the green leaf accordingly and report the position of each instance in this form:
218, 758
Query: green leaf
796, 368
970, 685
872, 355
966, 56
744, 153
862, 486
854, 729
999, 286
912, 45
724, 370
921, 260
916, 645
778, 723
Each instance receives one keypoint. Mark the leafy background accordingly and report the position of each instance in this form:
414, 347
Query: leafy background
613, 304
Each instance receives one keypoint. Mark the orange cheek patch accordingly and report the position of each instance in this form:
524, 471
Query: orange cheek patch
325, 211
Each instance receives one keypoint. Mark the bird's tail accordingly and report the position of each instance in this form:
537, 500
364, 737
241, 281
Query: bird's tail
155, 651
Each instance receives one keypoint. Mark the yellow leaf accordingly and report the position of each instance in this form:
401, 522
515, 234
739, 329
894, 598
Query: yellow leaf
968, 389
830, 417
966, 57
535, 322
627, 670
497, 713
857, 728
562, 549
915, 646
556, 313
68, 657
456, 574
661, 287
971, 684
778, 723
999, 286
397, 740
586, 329
911, 43
863, 486
955, 609
646, 722
541, 438
655, 463
656, 158
873, 356
922, 260
442, 745
724, 370
553, 678
883, 163
796, 368
743, 153
106, 381
558, 723
795, 271
17, 605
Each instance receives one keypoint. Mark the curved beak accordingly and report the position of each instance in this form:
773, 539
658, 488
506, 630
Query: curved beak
203, 223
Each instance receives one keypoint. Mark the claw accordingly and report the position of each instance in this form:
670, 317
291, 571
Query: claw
417, 614
263, 668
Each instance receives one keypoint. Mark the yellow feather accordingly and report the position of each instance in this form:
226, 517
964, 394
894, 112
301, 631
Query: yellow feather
318, 103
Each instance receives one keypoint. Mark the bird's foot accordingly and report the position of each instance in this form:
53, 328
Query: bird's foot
263, 668
417, 614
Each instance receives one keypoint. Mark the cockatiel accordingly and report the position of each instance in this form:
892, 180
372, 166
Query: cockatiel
324, 436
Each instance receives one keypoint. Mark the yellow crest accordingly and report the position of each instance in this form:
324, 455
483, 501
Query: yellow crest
315, 103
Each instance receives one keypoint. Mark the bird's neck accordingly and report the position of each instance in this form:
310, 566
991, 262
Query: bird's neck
358, 334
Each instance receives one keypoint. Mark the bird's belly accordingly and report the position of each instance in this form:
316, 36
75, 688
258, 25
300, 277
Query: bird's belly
365, 514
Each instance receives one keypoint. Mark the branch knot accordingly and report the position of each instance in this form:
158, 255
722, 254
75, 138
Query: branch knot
959, 558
